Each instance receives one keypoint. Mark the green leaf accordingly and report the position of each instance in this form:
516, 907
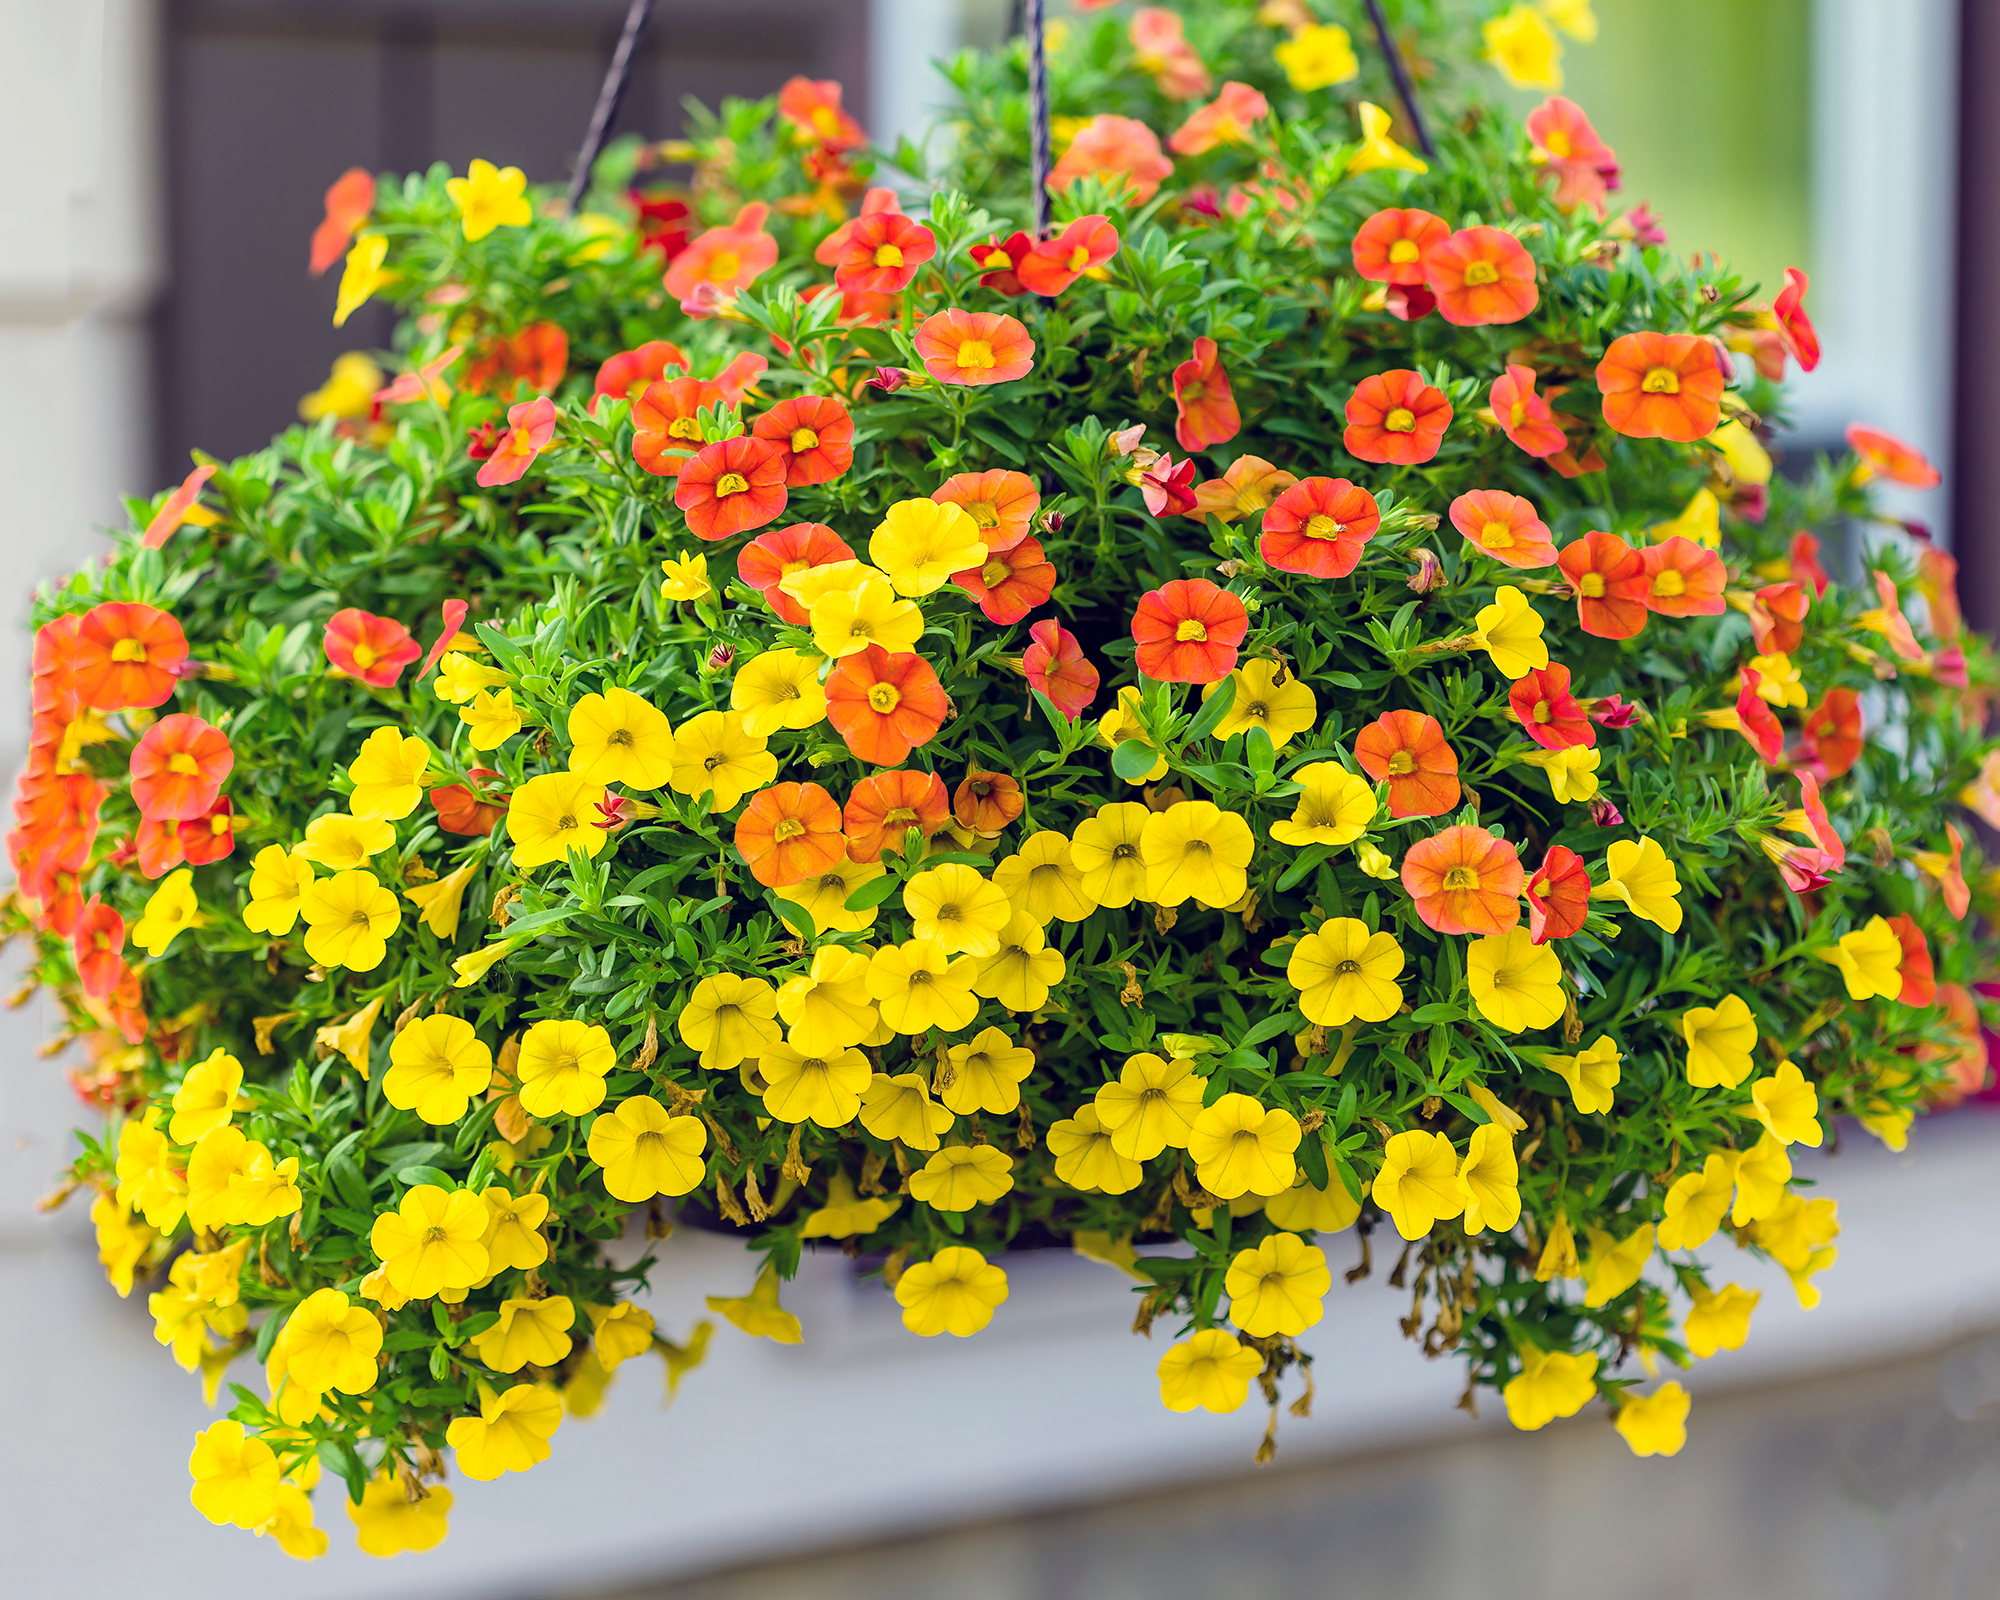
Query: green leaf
1134, 760
872, 893
1213, 710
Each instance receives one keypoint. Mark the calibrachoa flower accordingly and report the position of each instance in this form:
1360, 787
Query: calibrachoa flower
645, 1151
771, 557
1464, 880
729, 1019
1390, 246
1195, 850
373, 649
1612, 585
551, 816
1334, 807
1481, 276
920, 544
1884, 455
1407, 750
1640, 873
974, 347
1541, 701
630, 373
1250, 485
1418, 1182
732, 486
1397, 418
530, 427
126, 655
1319, 526
1055, 666
1002, 504
1661, 386
883, 808
1117, 148
731, 257
1051, 266
178, 767
666, 430
1516, 981
778, 689
715, 753
1504, 526
1344, 972
1209, 1369
954, 1292
986, 802
1264, 696
882, 253
1204, 404
1683, 579
617, 737
1833, 731
1525, 417
1187, 631
1558, 895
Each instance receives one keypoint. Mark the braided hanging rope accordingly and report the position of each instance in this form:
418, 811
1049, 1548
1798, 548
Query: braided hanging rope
1038, 114
1405, 91
616, 77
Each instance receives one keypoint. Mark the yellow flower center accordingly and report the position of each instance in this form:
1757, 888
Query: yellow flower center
883, 698
1324, 527
790, 828
804, 439
1661, 380
1456, 878
565, 823
366, 656
218, 824
183, 764
619, 736
724, 264
1401, 420
791, 567
1497, 536
975, 354
1591, 586
128, 650
1402, 764
994, 573
1346, 969
357, 918
1667, 583
1558, 143
997, 261
1542, 711
683, 428
826, 122
1194, 394
901, 817
887, 255
1190, 632
434, 1236
731, 483
984, 513
1479, 272
1079, 258
1258, 711
1403, 252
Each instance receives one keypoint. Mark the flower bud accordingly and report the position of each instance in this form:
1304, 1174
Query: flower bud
1605, 814
705, 301
1374, 861
719, 658
1051, 522
889, 379
1429, 576
1126, 442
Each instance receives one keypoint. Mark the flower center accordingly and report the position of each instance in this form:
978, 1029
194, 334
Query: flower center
1497, 536
997, 261
1668, 583
357, 919
1322, 526
1124, 852
976, 355
1661, 380
1346, 969
1401, 420
683, 428
1459, 878
1402, 764
950, 911
901, 817
182, 764
1079, 258
1190, 632
724, 264
128, 650
731, 483
887, 255
365, 656
620, 736
218, 825
804, 439
1558, 143
1479, 272
1258, 711
1542, 711
434, 1236
994, 573
883, 698
984, 513
1403, 252
710, 763
1194, 394
565, 823
1591, 586
790, 828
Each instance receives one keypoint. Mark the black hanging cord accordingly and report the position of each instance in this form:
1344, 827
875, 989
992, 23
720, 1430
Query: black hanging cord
1398, 71
615, 79
1038, 114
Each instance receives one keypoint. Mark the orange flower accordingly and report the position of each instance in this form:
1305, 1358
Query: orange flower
1805, 564
530, 427
1053, 265
1883, 454
1504, 526
731, 257
1524, 416
1833, 731
884, 706
126, 655
736, 380
814, 435
1755, 720
157, 844
178, 767
1777, 618
348, 203
1224, 120
1187, 631
629, 373
1002, 503
986, 802
666, 431
834, 245
1204, 404
1250, 485
1661, 386
1396, 417
883, 253
770, 558
1389, 247
173, 511
1564, 140
460, 810
1919, 974
812, 105
1481, 276
1055, 665
1611, 585
1543, 705
1464, 880
732, 486
537, 357
1937, 578
1948, 867
1160, 47
883, 808
1319, 527
974, 347
98, 941
1794, 326
1009, 583
790, 832
1114, 147
1825, 834
1407, 750
1558, 896
210, 836
371, 648
1000, 263
1683, 579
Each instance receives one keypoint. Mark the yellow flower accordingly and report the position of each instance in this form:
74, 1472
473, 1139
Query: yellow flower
1374, 861
459, 678
617, 737
957, 910
1779, 681
1344, 972
1572, 773
962, 1177
921, 543
493, 718
439, 903
349, 390
901, 1108
1655, 1424
151, 1180
915, 987
1870, 959
1515, 983
1193, 850
954, 1292
730, 1020
1105, 851
1378, 150
169, 909
1696, 1202
810, 585
361, 276
1086, 1159
715, 752
1043, 880
1335, 807
824, 1089
1278, 1286
529, 1332
986, 1074
513, 1236
758, 1312
1510, 632
1239, 1147
1762, 1172
235, 1476
1719, 1040
1303, 1208
1552, 1384
1021, 973
474, 965
292, 1525
1318, 57
1209, 1369
342, 843
1613, 1267
388, 1522
490, 197
1525, 49
1153, 1104
825, 897
687, 578
1120, 723
619, 1332
827, 1007
206, 1096
552, 815
1510, 1120
388, 775
431, 1241
1700, 520
1487, 1181
331, 1343
1719, 1321
562, 1067
1418, 1183
1266, 697
844, 1215
778, 689
123, 1241
1639, 873
1795, 1229
1591, 1076
645, 1152
848, 621
349, 919
1558, 1258
184, 1317
278, 880
436, 1065
510, 1434
1787, 1105
233, 1180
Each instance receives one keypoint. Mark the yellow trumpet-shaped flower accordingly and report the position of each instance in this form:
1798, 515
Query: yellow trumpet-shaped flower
963, 1176
1515, 983
1700, 520
1195, 850
1552, 1384
1344, 973
529, 1333
1591, 1075
1318, 57
171, 908
490, 197
1696, 1203
1655, 1424
1210, 1369
1378, 150
758, 1312
436, 1065
1105, 851
431, 1241
901, 1108
1152, 1104
957, 910
331, 1343
915, 985
986, 1074
206, 1096
730, 1020
235, 1476
921, 543
1266, 697
1762, 1172
1639, 873
824, 1089
553, 815
440, 903
1418, 1183
279, 879
1525, 49
618, 737
778, 689
513, 1237
1240, 1147
1613, 1266
644, 1151
1787, 1105
1335, 806
954, 1292
1719, 1040
1870, 959
388, 1521
1510, 632
1488, 1179
1572, 772
510, 1434
847, 621
715, 753
686, 578
1086, 1159
1022, 971
361, 276
845, 1214
388, 775
1720, 1321
1277, 1287
1043, 880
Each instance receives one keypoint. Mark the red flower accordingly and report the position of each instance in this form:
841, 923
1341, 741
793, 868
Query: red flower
790, 832
1407, 750
1055, 666
451, 615
732, 486
1000, 261
1833, 731
770, 558
1611, 585
1919, 975
736, 379
1503, 526
1319, 526
986, 802
1003, 503
1205, 406
1661, 386
1794, 326
99, 942
815, 435
1822, 825
884, 706
1188, 630
883, 808
1558, 896
1408, 303
1009, 583
59, 891
1396, 417
731, 257
348, 203
1168, 490
210, 836
1524, 416
626, 375
462, 811
178, 767
1805, 564
126, 655
1885, 455
830, 249
371, 648
173, 511
883, 253
1389, 247
1777, 618
530, 427
1683, 579
537, 357
974, 347
1757, 722
666, 430
661, 222
1053, 265
157, 846
1481, 276
1464, 880
812, 105
1542, 703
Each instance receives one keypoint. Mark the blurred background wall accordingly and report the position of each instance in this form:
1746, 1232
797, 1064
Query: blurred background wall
166, 159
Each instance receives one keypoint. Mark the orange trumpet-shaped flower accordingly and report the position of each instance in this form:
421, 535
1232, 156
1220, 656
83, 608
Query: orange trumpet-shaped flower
1611, 585
1937, 578
210, 836
1504, 526
1558, 896
126, 655
348, 203
883, 253
974, 347
731, 257
1389, 247
1661, 386
1777, 618
371, 648
1524, 416
883, 808
884, 705
1187, 631
732, 486
1464, 880
1396, 417
158, 846
1204, 404
812, 105
1010, 583
815, 434
736, 380
834, 245
770, 558
1481, 277
1055, 665
1833, 731
173, 512
628, 374
1250, 485
1755, 720
530, 427
1053, 265
460, 810
1001, 502
1683, 579
1805, 565
1407, 751
986, 802
1319, 526
1584, 165
1884, 455
178, 767
1794, 326
98, 940
1543, 705
1919, 972
1118, 148
536, 358
666, 431
1824, 833
790, 832
1224, 120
